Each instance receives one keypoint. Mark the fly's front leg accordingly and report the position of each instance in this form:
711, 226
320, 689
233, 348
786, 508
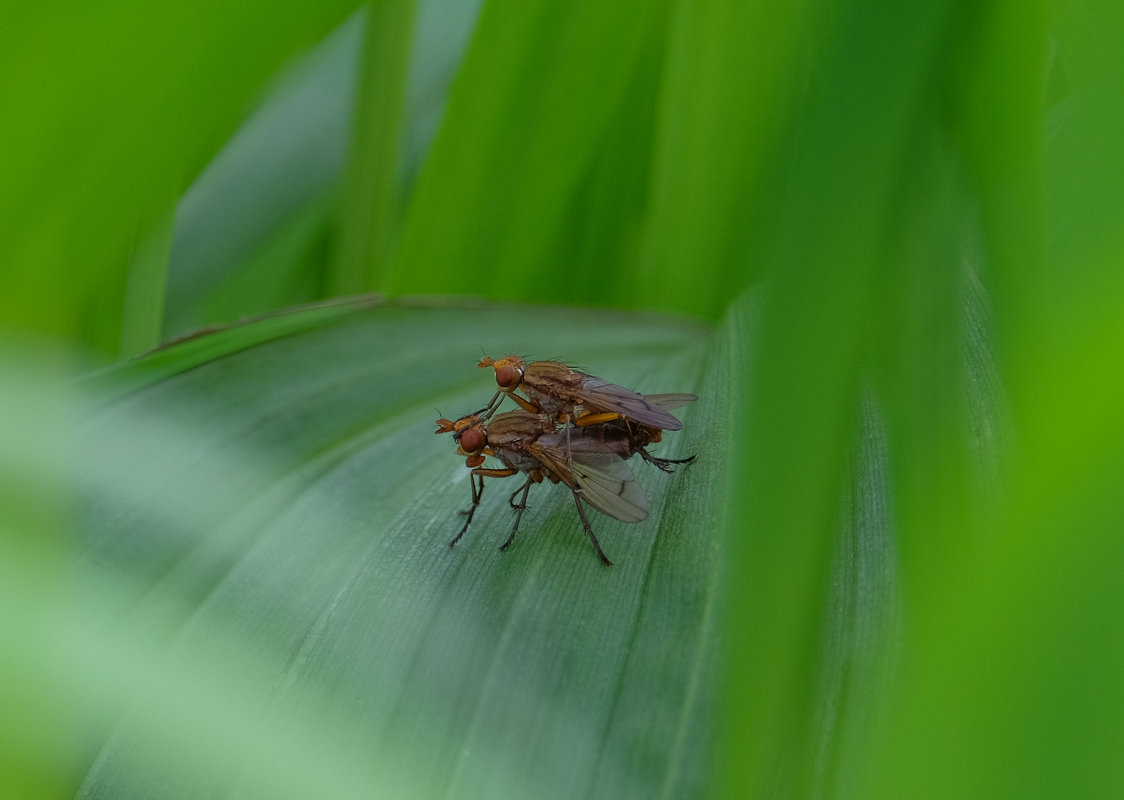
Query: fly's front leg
519, 509
490, 409
476, 477
471, 510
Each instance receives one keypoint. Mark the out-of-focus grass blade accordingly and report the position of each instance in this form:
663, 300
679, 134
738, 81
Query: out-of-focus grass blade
255, 230
526, 118
131, 104
371, 217
265, 540
142, 314
729, 79
245, 228
826, 257
1015, 688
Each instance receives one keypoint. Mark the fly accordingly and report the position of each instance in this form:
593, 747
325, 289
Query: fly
627, 438
565, 394
593, 470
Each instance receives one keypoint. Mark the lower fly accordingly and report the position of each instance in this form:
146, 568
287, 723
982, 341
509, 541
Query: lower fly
509, 431
593, 470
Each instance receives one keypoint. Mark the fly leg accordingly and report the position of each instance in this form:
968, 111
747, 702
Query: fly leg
522, 504
476, 494
663, 463
576, 488
492, 406
478, 476
589, 530
596, 418
570, 464
530, 406
519, 507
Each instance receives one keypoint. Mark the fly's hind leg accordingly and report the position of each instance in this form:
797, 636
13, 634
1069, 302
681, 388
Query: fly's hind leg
663, 463
589, 530
519, 507
596, 418
522, 504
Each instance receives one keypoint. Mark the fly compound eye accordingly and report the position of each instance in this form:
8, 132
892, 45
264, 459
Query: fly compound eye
508, 377
472, 440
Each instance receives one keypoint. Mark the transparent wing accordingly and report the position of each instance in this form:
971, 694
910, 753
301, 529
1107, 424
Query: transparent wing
602, 395
670, 401
602, 477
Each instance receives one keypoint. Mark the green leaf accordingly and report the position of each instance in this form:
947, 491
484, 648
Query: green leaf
371, 216
258, 229
209, 344
265, 549
127, 104
533, 105
248, 227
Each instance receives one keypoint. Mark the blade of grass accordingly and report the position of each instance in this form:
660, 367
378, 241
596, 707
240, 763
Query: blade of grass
371, 215
824, 264
250, 229
730, 75
142, 323
526, 117
130, 105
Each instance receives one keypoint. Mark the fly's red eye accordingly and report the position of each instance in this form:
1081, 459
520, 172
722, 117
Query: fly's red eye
472, 440
507, 377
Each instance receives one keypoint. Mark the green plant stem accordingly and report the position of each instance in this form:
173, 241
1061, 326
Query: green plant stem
370, 217
142, 319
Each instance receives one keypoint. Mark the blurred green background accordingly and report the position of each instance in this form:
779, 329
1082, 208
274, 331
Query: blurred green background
249, 253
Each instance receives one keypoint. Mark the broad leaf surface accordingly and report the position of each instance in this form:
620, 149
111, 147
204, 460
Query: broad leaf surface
272, 526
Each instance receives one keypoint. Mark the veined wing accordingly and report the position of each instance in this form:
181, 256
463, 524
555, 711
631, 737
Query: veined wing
670, 401
601, 395
602, 477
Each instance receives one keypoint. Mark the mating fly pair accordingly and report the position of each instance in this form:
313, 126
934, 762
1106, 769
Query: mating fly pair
570, 428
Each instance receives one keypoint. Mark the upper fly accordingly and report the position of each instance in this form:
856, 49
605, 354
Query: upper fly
565, 394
